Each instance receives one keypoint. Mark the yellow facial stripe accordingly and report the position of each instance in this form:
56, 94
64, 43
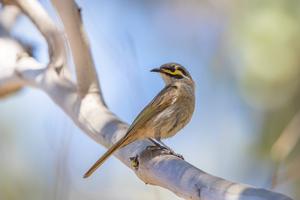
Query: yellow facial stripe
176, 72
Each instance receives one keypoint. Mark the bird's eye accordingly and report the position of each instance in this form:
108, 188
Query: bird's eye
172, 69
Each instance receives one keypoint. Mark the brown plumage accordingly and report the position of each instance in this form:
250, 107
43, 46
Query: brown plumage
164, 116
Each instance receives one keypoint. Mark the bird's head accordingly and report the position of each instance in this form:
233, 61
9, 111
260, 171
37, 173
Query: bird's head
173, 72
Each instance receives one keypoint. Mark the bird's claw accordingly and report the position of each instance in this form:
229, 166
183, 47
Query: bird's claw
153, 148
171, 152
165, 150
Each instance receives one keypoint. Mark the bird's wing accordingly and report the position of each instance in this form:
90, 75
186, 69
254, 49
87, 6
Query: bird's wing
161, 101
164, 99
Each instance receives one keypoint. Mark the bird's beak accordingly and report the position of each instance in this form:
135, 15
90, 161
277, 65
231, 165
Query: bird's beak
155, 70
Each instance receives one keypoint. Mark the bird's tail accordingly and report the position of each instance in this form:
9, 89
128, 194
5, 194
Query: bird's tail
122, 142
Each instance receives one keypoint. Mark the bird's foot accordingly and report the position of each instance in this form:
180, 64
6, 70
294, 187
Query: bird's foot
166, 150
171, 152
153, 148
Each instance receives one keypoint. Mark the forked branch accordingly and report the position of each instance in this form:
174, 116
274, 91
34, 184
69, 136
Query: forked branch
85, 70
55, 38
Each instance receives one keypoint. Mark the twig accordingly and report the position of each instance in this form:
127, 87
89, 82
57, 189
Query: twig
284, 145
287, 140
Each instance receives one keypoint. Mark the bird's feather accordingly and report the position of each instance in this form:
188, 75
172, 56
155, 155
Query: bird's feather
161, 101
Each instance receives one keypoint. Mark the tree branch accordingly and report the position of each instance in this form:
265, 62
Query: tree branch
55, 38
287, 140
284, 145
10, 50
8, 17
152, 165
85, 71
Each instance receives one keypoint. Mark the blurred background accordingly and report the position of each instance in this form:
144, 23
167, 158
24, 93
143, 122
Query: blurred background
244, 58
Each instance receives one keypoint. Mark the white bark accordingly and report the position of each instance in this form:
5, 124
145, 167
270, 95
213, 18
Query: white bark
87, 109
85, 70
55, 38
8, 17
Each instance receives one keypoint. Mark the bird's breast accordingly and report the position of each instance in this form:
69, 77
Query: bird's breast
174, 118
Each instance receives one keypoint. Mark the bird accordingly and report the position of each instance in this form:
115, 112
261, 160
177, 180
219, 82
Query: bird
170, 110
